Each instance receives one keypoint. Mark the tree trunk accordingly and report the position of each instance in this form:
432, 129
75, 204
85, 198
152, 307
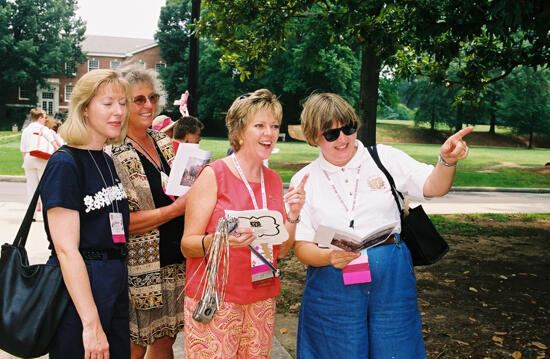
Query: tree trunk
493, 116
193, 81
432, 120
531, 130
368, 94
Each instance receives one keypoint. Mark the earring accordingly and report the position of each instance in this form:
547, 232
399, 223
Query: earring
241, 141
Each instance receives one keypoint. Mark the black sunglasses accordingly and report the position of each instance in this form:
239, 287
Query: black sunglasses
333, 134
141, 100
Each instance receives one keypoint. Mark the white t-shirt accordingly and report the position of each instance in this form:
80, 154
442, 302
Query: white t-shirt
375, 205
34, 127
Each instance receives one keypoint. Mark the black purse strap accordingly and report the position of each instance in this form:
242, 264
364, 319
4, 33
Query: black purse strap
396, 194
23, 233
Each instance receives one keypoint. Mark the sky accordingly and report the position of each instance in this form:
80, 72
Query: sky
123, 18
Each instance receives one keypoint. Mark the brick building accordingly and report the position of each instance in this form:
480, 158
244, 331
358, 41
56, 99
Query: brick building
103, 52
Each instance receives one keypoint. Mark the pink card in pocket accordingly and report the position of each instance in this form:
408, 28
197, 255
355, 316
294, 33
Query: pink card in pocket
358, 270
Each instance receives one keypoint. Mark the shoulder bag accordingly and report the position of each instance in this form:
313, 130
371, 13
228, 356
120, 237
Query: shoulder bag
40, 147
417, 230
33, 298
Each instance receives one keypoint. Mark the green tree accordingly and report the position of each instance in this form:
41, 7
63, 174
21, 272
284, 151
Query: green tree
414, 37
525, 102
173, 37
37, 39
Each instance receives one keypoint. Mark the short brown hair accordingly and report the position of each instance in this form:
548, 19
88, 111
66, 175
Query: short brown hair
185, 125
75, 130
244, 108
321, 111
36, 113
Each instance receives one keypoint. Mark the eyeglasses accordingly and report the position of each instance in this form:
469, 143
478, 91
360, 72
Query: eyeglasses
333, 134
141, 100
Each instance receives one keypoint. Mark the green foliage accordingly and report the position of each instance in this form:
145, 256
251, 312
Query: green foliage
173, 39
525, 101
37, 39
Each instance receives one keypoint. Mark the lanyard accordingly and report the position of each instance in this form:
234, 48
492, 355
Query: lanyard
349, 212
103, 179
241, 173
161, 168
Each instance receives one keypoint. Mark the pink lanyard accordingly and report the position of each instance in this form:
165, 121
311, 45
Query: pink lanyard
348, 212
252, 196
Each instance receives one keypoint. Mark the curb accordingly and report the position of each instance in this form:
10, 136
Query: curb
6, 178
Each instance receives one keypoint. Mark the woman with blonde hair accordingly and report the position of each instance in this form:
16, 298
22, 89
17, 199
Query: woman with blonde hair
156, 267
243, 326
86, 218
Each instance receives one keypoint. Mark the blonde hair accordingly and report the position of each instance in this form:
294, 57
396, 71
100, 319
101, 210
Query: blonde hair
36, 113
75, 130
321, 111
244, 108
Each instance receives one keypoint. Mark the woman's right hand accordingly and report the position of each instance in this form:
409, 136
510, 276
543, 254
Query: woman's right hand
95, 342
241, 237
340, 259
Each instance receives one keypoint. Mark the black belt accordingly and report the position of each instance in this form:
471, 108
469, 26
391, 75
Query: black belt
104, 254
390, 240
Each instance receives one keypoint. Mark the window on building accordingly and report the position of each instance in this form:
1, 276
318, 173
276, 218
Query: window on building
141, 63
93, 65
25, 92
70, 67
68, 92
115, 64
159, 65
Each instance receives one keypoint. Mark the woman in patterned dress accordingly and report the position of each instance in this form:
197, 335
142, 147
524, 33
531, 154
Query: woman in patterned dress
156, 267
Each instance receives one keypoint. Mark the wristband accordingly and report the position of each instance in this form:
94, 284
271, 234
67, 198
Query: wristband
445, 163
294, 221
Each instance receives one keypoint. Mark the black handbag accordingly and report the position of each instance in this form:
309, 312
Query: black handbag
417, 230
33, 298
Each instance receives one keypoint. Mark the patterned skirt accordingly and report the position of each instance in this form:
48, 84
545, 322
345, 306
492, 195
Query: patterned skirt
148, 325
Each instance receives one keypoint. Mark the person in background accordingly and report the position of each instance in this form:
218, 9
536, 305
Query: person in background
34, 166
243, 327
53, 125
165, 124
347, 191
156, 267
188, 130
86, 212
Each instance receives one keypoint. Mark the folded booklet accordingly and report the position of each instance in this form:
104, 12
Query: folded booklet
329, 237
186, 166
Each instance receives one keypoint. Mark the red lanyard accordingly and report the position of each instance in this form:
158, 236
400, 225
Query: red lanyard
348, 212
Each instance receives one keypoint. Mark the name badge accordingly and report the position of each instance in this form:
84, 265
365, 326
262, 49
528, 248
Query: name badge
117, 227
261, 273
358, 270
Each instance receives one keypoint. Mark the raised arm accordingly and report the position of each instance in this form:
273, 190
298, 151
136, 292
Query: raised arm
441, 179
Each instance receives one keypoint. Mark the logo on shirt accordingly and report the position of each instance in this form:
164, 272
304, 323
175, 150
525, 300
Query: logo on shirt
104, 198
376, 183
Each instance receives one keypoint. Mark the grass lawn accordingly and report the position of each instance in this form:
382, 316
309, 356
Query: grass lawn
485, 166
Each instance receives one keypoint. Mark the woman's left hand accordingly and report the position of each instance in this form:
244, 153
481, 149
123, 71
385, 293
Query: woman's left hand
295, 198
455, 148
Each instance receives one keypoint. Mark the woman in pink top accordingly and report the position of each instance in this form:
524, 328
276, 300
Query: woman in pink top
243, 327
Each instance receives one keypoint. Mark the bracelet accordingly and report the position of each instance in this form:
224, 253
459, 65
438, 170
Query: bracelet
202, 242
445, 163
294, 221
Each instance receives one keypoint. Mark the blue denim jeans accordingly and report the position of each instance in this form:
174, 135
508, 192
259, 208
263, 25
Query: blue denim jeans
375, 320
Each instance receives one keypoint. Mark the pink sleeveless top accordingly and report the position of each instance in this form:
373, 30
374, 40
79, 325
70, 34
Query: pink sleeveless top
233, 195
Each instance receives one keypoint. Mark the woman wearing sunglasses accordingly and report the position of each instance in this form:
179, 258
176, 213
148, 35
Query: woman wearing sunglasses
155, 263
376, 317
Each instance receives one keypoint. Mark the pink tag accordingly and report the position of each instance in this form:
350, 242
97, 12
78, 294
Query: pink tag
357, 271
117, 227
